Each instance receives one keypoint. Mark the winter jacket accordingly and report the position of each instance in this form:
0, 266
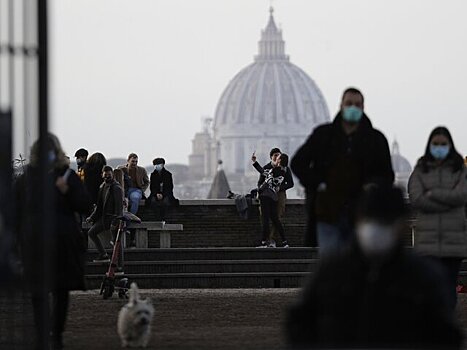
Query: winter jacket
109, 204
343, 164
439, 198
401, 303
288, 179
65, 242
162, 183
142, 179
273, 179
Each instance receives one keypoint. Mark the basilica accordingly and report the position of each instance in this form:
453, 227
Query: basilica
269, 103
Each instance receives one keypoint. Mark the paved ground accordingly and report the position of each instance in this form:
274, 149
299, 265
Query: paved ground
185, 319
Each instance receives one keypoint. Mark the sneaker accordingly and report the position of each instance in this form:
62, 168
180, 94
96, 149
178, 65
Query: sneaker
102, 259
272, 244
285, 244
119, 271
263, 245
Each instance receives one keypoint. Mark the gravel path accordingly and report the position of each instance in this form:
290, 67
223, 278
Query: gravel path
184, 319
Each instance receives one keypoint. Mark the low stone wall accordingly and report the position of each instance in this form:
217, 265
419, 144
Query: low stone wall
216, 223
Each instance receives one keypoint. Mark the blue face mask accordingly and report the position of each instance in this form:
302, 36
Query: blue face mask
352, 114
439, 152
158, 167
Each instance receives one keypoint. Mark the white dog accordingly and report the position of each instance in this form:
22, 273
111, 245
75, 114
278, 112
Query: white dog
134, 320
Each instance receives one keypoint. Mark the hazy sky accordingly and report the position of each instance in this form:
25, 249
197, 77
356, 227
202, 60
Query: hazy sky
138, 75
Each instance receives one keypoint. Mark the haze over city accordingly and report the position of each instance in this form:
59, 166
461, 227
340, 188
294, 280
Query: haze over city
132, 76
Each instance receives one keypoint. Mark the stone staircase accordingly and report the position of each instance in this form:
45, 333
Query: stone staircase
213, 267
216, 250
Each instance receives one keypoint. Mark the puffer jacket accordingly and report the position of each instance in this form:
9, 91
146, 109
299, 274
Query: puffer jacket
439, 197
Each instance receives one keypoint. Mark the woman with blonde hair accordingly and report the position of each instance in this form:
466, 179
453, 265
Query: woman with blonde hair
438, 194
53, 260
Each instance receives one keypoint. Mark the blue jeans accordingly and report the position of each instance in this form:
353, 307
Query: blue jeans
333, 238
135, 195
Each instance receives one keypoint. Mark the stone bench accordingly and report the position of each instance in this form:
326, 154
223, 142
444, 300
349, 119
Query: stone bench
141, 233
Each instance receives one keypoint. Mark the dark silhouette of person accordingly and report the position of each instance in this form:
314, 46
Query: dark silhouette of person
54, 260
376, 294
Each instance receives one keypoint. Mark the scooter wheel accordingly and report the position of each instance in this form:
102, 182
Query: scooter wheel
108, 291
122, 294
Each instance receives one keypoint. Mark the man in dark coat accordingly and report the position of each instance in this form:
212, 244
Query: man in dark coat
109, 207
161, 188
377, 294
336, 162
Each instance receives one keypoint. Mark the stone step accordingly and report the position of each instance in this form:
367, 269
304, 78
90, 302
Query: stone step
212, 280
173, 254
219, 280
210, 266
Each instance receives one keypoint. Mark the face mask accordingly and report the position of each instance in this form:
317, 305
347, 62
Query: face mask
376, 239
158, 167
439, 152
352, 114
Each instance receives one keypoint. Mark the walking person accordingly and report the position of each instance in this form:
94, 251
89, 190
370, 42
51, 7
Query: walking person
55, 265
268, 189
438, 193
337, 161
107, 211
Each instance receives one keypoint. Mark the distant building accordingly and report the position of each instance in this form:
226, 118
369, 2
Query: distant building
269, 103
401, 167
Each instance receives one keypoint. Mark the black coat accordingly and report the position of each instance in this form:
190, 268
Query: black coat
108, 207
162, 183
65, 241
350, 303
288, 179
93, 180
344, 163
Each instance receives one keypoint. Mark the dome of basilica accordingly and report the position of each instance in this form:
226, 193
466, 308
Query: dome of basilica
400, 164
270, 103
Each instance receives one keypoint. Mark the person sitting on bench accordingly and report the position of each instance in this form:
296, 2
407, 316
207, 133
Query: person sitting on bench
161, 187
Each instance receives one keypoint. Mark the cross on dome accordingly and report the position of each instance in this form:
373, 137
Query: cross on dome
271, 46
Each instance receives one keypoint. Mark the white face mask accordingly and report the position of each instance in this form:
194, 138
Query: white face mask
376, 239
